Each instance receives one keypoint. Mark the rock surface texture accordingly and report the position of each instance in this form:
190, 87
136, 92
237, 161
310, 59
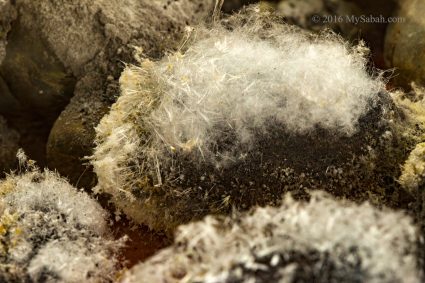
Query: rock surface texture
405, 42
7, 14
111, 30
352, 19
63, 49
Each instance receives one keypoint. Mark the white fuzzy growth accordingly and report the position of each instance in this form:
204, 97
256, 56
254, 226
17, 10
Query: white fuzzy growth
51, 230
206, 251
54, 194
74, 260
226, 85
118, 136
237, 81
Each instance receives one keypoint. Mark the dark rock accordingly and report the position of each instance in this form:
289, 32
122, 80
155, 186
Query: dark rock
117, 28
230, 6
8, 147
405, 42
341, 16
7, 15
63, 49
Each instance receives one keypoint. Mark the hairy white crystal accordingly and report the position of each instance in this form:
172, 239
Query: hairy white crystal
238, 80
359, 242
49, 231
211, 101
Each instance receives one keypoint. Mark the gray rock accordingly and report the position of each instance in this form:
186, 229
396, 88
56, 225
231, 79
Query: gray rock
7, 14
37, 86
405, 42
63, 49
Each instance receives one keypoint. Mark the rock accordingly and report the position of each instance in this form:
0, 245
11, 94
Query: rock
340, 16
36, 77
86, 42
39, 87
7, 15
72, 136
55, 44
8, 147
8, 138
322, 240
52, 232
230, 6
405, 42
9, 106
210, 128
374, 32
